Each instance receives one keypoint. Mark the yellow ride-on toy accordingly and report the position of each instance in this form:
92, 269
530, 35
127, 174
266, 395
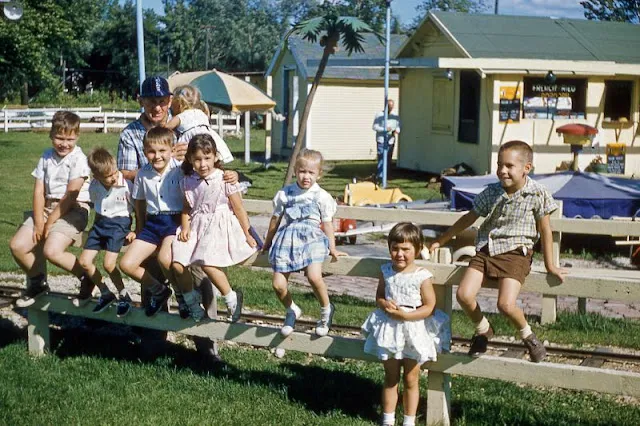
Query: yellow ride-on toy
368, 193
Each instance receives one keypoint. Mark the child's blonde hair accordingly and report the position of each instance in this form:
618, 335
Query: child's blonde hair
188, 97
64, 123
405, 232
159, 135
101, 162
310, 155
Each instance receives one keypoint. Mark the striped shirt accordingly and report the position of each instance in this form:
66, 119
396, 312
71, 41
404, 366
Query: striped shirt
130, 148
511, 221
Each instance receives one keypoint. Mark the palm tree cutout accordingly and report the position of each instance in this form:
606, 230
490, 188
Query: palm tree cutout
344, 29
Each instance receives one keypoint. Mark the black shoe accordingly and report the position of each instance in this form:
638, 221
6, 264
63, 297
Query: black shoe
103, 302
30, 295
479, 342
183, 309
157, 302
124, 306
86, 291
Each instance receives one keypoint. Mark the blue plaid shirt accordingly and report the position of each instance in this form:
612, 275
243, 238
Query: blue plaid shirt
130, 148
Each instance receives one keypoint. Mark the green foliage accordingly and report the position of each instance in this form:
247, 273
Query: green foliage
466, 6
612, 10
55, 98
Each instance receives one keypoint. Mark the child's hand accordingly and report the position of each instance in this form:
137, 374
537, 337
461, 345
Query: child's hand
560, 273
389, 305
38, 232
434, 246
335, 254
130, 237
231, 177
184, 235
397, 314
252, 241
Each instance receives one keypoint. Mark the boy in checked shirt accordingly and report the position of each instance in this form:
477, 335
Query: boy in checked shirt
517, 210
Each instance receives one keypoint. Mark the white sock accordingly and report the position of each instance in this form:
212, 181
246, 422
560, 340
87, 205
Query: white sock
294, 308
230, 298
409, 420
526, 332
388, 419
483, 326
326, 310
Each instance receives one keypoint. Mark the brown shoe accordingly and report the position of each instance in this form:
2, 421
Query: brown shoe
479, 342
537, 352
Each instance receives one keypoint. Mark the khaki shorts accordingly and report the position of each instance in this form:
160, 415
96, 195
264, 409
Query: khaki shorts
71, 225
512, 264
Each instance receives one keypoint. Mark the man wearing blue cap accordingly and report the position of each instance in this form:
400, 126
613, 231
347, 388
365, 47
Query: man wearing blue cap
155, 99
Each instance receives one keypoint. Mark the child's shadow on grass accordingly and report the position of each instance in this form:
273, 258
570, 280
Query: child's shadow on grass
10, 332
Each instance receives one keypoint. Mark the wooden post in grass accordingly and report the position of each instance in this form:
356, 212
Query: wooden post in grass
38, 331
439, 384
268, 124
549, 302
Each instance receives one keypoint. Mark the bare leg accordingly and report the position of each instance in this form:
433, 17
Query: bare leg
508, 290
55, 250
219, 279
164, 256
86, 262
131, 262
280, 286
314, 275
467, 293
390, 388
183, 277
411, 394
28, 254
111, 266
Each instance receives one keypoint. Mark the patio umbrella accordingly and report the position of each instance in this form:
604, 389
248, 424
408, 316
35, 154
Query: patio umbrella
224, 91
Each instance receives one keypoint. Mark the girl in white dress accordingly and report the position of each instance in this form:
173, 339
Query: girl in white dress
191, 117
406, 330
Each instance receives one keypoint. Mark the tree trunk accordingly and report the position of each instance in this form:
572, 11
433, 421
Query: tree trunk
328, 50
24, 94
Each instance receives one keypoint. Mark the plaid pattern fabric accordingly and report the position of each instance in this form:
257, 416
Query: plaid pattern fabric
130, 149
511, 221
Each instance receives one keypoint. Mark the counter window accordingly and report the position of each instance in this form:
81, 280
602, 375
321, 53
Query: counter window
564, 99
617, 99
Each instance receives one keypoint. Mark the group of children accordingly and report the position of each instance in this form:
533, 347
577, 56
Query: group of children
186, 214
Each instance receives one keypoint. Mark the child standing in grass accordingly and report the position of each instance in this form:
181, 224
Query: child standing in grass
517, 210
191, 117
214, 230
300, 244
60, 211
111, 197
405, 331
158, 204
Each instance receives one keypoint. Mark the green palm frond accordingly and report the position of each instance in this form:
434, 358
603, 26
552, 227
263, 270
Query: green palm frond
309, 29
352, 42
354, 23
350, 29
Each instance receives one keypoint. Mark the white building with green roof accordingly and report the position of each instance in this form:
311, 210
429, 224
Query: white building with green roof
469, 83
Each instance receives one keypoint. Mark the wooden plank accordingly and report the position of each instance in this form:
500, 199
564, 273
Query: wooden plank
490, 367
549, 301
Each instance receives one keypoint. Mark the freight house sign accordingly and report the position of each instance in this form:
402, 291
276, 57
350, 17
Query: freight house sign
564, 99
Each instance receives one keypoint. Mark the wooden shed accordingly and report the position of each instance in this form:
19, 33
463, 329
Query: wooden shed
344, 106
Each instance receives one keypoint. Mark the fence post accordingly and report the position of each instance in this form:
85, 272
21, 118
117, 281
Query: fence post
105, 121
439, 384
220, 124
6, 121
268, 124
38, 331
247, 131
550, 302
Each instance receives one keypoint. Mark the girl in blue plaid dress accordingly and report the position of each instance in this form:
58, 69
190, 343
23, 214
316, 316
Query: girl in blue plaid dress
300, 244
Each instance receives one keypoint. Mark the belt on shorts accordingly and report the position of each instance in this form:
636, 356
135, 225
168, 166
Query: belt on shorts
165, 213
411, 306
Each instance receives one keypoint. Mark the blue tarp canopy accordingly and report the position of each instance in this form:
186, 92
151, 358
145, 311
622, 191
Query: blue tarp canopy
583, 194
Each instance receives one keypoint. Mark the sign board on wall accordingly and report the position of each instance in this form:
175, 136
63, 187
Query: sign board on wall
509, 109
616, 158
564, 99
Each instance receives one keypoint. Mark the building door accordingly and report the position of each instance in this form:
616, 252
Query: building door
290, 100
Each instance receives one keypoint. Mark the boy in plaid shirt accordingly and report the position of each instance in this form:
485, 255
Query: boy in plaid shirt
517, 211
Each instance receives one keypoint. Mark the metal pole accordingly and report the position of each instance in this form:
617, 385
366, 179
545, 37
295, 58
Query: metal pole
140, 32
496, 7
247, 132
387, 54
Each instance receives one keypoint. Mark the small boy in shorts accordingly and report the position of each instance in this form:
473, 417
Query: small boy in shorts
517, 211
60, 211
110, 193
158, 206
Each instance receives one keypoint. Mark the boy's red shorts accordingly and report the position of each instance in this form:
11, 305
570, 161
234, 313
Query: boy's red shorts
512, 264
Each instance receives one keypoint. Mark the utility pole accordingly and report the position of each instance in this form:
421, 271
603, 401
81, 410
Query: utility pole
496, 7
208, 28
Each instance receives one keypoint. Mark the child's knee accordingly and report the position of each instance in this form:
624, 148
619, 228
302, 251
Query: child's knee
464, 297
17, 245
86, 262
109, 265
178, 268
507, 306
52, 251
279, 286
128, 265
315, 278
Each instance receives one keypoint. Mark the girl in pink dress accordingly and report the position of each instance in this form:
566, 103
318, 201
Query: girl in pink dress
214, 229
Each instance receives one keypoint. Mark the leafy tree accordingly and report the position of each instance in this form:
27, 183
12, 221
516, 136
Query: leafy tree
612, 10
467, 6
337, 29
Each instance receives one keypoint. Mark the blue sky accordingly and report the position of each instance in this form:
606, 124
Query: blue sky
405, 9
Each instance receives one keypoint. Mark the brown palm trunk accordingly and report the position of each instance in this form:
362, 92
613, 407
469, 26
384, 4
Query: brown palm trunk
329, 48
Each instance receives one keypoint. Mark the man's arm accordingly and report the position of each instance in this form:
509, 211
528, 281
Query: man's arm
127, 156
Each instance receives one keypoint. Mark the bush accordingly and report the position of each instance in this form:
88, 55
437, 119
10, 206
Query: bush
55, 98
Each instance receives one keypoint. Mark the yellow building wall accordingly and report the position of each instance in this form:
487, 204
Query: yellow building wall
549, 149
342, 118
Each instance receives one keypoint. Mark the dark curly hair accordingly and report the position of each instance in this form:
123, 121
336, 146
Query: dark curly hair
203, 142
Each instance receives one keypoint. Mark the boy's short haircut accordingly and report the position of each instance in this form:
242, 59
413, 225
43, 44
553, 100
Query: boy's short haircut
310, 155
405, 232
101, 162
159, 135
521, 147
64, 123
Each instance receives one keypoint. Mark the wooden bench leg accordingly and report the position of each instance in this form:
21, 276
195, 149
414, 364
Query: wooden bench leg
582, 305
439, 399
549, 309
38, 332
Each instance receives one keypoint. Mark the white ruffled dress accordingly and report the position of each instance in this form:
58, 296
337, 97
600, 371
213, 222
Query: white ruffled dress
421, 340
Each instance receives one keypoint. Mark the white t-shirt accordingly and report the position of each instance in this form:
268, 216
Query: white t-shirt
56, 172
161, 191
195, 122
113, 202
327, 205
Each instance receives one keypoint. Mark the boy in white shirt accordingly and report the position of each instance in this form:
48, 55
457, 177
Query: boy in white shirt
158, 205
111, 196
60, 211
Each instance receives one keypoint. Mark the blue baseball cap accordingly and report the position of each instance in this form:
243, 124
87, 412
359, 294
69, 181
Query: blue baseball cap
155, 87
